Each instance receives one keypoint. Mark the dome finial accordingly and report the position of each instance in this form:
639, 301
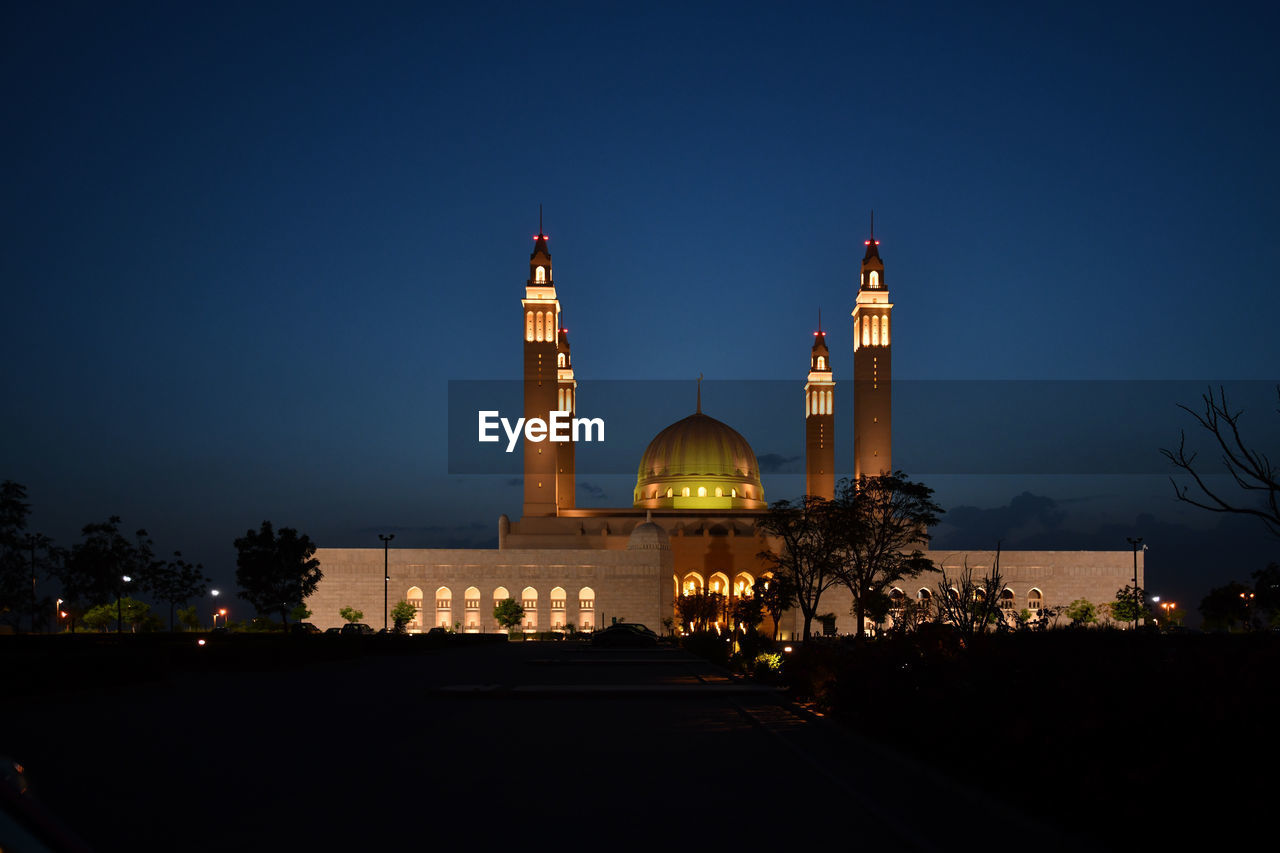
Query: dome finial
699, 393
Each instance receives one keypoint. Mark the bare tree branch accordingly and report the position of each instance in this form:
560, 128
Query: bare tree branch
1251, 470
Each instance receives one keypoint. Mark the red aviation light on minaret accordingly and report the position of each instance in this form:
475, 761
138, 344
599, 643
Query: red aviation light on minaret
868, 242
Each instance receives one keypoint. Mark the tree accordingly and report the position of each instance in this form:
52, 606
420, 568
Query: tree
300, 613
698, 610
402, 614
15, 575
1226, 606
776, 594
747, 612
879, 525
129, 610
807, 555
1252, 470
276, 571
970, 604
175, 582
1130, 604
508, 613
96, 568
351, 615
1082, 612
1266, 588
189, 618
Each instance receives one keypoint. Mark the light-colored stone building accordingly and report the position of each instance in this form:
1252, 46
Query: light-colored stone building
692, 523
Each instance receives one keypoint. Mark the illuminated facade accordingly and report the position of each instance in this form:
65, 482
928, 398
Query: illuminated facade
692, 523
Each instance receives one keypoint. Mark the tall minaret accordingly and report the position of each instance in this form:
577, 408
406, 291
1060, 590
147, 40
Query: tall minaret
819, 421
541, 328
871, 366
566, 394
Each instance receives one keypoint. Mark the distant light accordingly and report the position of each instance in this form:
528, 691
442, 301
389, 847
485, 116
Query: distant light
199, 642
866, 242
787, 649
62, 613
877, 242
126, 578
1155, 598
222, 612
215, 593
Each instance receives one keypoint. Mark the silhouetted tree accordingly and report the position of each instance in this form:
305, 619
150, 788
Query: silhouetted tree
879, 524
1266, 587
776, 594
969, 603
807, 555
276, 571
1226, 606
697, 610
175, 582
1252, 470
23, 556
95, 568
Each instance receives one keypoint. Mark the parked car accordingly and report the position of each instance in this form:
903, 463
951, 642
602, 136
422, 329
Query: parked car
303, 628
333, 630
625, 635
352, 629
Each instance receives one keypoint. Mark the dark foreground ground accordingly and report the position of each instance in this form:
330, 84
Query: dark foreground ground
260, 742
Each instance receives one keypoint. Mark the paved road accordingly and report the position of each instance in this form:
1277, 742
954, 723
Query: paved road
522, 746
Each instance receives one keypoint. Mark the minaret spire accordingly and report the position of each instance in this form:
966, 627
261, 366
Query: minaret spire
873, 221
699, 393
819, 321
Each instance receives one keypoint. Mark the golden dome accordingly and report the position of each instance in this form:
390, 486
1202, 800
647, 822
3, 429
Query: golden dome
699, 463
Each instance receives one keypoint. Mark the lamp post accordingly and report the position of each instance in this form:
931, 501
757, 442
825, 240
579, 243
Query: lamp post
57, 615
386, 574
1135, 543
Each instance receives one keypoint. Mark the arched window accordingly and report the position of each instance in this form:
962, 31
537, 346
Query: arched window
744, 585
557, 609
1006, 599
500, 595
528, 326
414, 597
1035, 600
875, 279
733, 493
866, 331
560, 398
875, 331
586, 609
539, 274
471, 601
884, 330
702, 491
529, 601
550, 332
813, 403
692, 584
822, 362
444, 607
569, 394
560, 359
669, 492
537, 322
684, 493
719, 492
828, 394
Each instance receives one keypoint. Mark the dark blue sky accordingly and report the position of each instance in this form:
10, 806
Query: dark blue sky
246, 248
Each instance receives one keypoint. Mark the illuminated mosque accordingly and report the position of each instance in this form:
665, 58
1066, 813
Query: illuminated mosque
692, 523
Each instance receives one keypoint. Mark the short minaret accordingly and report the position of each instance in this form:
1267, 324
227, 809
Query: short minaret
871, 366
566, 401
541, 329
819, 421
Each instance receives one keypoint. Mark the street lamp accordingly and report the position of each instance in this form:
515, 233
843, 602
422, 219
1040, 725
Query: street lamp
386, 574
1167, 607
1135, 543
215, 593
